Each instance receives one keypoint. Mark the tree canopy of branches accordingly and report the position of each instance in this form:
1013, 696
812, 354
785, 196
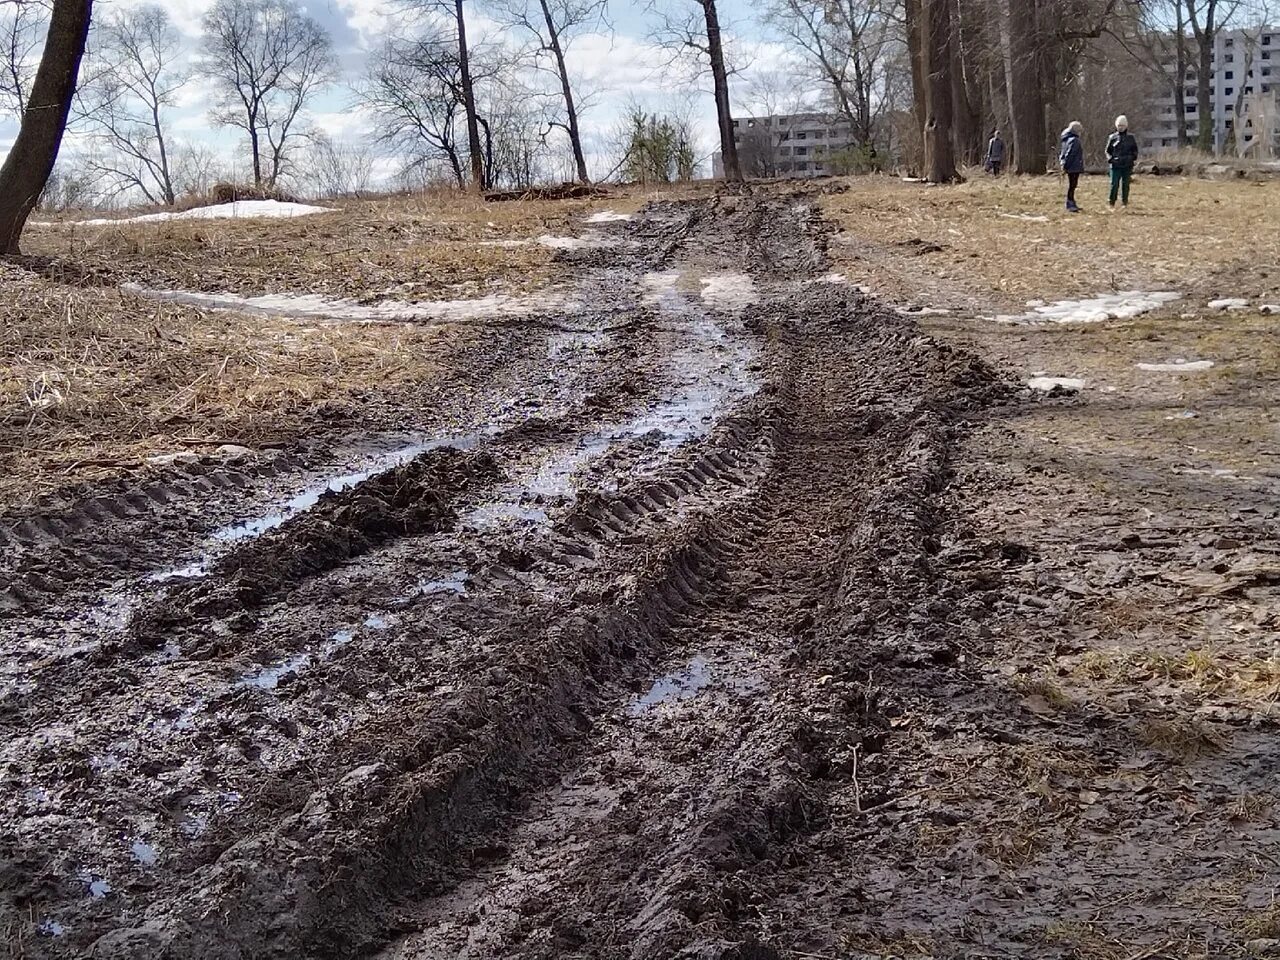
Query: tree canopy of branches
133, 75
22, 30
845, 43
268, 58
32, 157
552, 25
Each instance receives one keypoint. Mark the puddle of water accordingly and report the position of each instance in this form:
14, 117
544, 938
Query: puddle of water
99, 887
270, 677
144, 853
1111, 306
378, 621
454, 583
1177, 366
389, 311
681, 685
50, 928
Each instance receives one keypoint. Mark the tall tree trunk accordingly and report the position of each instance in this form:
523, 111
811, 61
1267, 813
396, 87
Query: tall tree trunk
255, 148
469, 104
939, 152
919, 83
966, 133
570, 110
715, 48
1027, 94
35, 151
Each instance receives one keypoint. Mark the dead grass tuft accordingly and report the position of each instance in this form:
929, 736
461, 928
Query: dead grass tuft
1182, 737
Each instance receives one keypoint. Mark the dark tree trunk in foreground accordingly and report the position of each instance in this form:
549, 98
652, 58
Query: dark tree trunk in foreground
939, 152
1026, 92
469, 104
570, 109
35, 151
715, 49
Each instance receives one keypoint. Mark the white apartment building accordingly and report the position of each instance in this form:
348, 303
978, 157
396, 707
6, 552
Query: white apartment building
791, 145
1245, 94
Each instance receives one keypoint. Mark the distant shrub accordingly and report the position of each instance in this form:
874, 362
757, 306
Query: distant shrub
226, 192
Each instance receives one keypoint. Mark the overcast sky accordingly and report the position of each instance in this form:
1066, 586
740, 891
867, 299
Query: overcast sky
611, 67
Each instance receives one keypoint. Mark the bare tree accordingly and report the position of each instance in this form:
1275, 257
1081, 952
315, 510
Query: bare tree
337, 169
453, 13
414, 91
846, 43
268, 59
692, 32
32, 157
23, 24
1207, 18
935, 44
133, 74
553, 25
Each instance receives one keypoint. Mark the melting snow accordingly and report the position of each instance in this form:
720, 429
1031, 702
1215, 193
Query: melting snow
1049, 383
1025, 216
586, 242
239, 210
1269, 308
388, 311
1177, 366
608, 216
1111, 306
1229, 303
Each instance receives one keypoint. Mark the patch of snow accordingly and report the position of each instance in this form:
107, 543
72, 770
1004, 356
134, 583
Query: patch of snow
1184, 415
1046, 384
729, 291
239, 210
608, 216
1109, 306
1269, 308
1177, 366
1229, 303
1025, 216
833, 278
585, 242
388, 311
505, 243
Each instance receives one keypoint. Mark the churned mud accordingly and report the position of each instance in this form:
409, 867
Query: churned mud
674, 636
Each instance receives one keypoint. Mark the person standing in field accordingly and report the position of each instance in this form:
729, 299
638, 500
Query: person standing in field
1071, 157
995, 154
1122, 154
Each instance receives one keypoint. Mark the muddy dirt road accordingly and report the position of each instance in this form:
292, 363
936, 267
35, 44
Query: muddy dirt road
578, 663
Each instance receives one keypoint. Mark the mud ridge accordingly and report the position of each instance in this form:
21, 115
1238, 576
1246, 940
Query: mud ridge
413, 499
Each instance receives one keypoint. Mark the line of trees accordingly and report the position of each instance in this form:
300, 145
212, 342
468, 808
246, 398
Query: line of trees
922, 79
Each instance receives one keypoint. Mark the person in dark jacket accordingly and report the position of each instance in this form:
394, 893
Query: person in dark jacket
1071, 157
995, 154
1122, 153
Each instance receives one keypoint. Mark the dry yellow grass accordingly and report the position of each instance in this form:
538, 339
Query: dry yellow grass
1217, 237
429, 247
92, 379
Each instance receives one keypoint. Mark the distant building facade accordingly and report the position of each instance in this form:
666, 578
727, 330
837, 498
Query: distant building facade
790, 145
1245, 96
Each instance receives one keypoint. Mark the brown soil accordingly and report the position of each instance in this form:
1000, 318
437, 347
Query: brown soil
725, 612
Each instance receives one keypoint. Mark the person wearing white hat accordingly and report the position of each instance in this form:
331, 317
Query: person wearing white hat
1122, 154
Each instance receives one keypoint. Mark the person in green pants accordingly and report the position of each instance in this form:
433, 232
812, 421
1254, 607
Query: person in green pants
1122, 153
